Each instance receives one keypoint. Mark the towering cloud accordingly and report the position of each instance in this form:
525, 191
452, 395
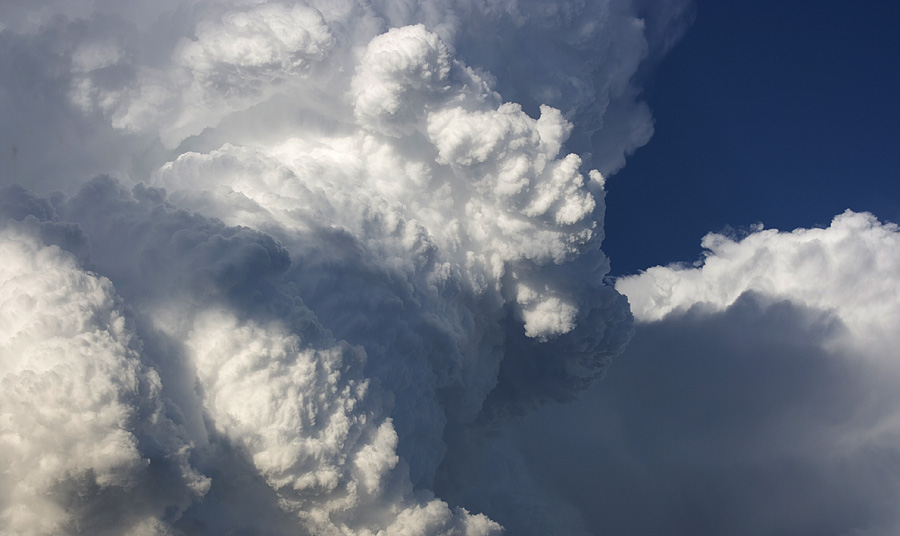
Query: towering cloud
336, 257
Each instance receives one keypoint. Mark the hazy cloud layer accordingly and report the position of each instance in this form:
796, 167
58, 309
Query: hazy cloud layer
357, 259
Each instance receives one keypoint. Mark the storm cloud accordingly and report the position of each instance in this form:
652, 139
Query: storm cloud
290, 267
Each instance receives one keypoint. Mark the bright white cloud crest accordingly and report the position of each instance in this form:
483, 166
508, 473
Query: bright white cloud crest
355, 252
848, 269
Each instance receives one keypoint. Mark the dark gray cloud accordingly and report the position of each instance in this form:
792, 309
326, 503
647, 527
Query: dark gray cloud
742, 421
758, 394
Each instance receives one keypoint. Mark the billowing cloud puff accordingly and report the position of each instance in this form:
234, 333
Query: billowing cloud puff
581, 59
497, 192
301, 417
226, 65
275, 385
272, 38
79, 409
848, 268
400, 74
110, 86
358, 258
468, 199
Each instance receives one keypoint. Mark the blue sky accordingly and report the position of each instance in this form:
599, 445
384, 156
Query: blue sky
784, 113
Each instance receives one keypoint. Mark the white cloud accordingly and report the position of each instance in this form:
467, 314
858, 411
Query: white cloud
850, 268
367, 250
400, 74
451, 209
494, 194
763, 378
226, 65
281, 392
303, 417
165, 70
75, 397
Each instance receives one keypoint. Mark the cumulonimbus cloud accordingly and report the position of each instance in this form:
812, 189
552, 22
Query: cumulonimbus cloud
335, 250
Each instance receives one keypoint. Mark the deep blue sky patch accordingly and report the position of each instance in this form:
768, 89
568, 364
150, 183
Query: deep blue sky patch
784, 113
